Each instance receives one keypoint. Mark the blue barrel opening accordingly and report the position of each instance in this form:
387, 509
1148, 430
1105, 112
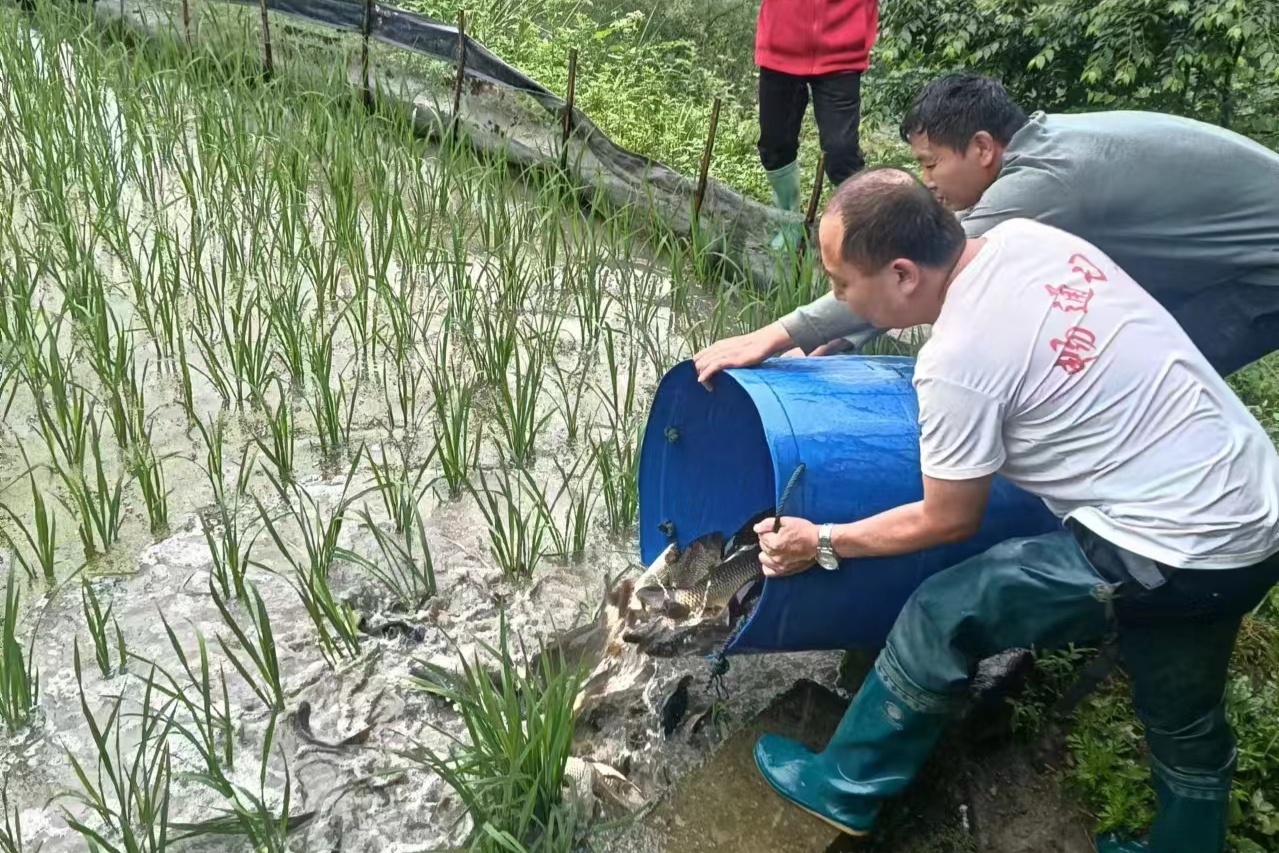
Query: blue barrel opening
712, 460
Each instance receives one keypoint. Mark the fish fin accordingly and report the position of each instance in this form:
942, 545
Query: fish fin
746, 535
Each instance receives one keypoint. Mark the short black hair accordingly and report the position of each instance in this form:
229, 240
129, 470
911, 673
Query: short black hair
953, 108
888, 214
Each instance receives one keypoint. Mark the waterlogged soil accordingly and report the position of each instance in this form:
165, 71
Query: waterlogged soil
371, 794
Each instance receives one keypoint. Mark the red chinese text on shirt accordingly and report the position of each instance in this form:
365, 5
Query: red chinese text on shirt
1067, 298
1072, 349
1086, 268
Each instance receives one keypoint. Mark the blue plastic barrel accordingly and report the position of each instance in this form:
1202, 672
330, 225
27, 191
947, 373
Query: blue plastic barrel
711, 460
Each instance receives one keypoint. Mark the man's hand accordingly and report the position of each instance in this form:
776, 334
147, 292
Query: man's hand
792, 549
741, 351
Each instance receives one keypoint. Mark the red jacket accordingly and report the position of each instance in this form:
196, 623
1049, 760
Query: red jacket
807, 37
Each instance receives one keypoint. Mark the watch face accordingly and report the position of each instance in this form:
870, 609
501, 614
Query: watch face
828, 561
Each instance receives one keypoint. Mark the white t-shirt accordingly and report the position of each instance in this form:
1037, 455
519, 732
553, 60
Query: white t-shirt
1054, 368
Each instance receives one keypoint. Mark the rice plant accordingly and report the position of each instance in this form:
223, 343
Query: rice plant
279, 446
517, 404
148, 471
109, 648
517, 527
509, 770
43, 541
228, 538
11, 831
98, 506
19, 678
622, 383
408, 576
332, 410
335, 621
260, 648
495, 346
209, 709
129, 795
618, 457
457, 436
402, 405
577, 485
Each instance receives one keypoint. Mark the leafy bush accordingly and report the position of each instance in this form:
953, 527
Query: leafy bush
1216, 60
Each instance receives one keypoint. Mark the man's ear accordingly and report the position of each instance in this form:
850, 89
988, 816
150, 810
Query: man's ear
908, 277
985, 148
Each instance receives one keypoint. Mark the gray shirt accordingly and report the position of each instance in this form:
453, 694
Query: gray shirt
1182, 206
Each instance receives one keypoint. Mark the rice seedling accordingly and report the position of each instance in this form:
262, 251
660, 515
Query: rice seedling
517, 527
147, 470
578, 485
408, 577
332, 410
19, 677
105, 631
400, 488
402, 402
618, 458
622, 383
260, 649
509, 770
264, 828
278, 449
130, 799
570, 390
232, 551
457, 437
98, 506
214, 725
334, 620
43, 541
517, 404
287, 308
495, 346
11, 832
238, 362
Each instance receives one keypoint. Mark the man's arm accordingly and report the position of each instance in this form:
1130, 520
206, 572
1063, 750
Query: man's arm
951, 511
825, 319
961, 448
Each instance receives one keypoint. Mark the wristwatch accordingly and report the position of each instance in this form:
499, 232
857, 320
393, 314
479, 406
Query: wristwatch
826, 557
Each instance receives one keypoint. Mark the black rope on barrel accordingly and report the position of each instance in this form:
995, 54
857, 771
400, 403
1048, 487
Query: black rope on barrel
717, 661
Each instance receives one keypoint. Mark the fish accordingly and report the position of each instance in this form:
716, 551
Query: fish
702, 579
689, 600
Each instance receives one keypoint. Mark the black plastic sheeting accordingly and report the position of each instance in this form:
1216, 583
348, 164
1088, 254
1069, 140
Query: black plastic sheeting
735, 214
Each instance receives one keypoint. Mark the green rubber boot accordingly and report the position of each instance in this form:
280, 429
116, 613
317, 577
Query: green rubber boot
874, 754
786, 191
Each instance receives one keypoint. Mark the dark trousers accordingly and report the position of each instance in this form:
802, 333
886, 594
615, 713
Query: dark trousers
783, 100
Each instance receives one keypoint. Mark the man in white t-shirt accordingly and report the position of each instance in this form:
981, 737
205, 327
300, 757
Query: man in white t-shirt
1051, 367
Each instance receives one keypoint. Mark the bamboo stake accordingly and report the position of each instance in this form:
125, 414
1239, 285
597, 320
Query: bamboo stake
700, 196
568, 107
461, 63
817, 192
266, 42
365, 29
186, 20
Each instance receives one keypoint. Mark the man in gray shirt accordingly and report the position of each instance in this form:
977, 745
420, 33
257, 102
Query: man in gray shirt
1189, 209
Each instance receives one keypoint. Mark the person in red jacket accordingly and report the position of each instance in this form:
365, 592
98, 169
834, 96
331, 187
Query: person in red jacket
822, 46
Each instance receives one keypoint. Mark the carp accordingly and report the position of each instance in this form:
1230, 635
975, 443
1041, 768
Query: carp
690, 599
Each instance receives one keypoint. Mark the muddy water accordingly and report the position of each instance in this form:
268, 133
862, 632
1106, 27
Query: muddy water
365, 797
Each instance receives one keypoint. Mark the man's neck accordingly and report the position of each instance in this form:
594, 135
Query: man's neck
959, 263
